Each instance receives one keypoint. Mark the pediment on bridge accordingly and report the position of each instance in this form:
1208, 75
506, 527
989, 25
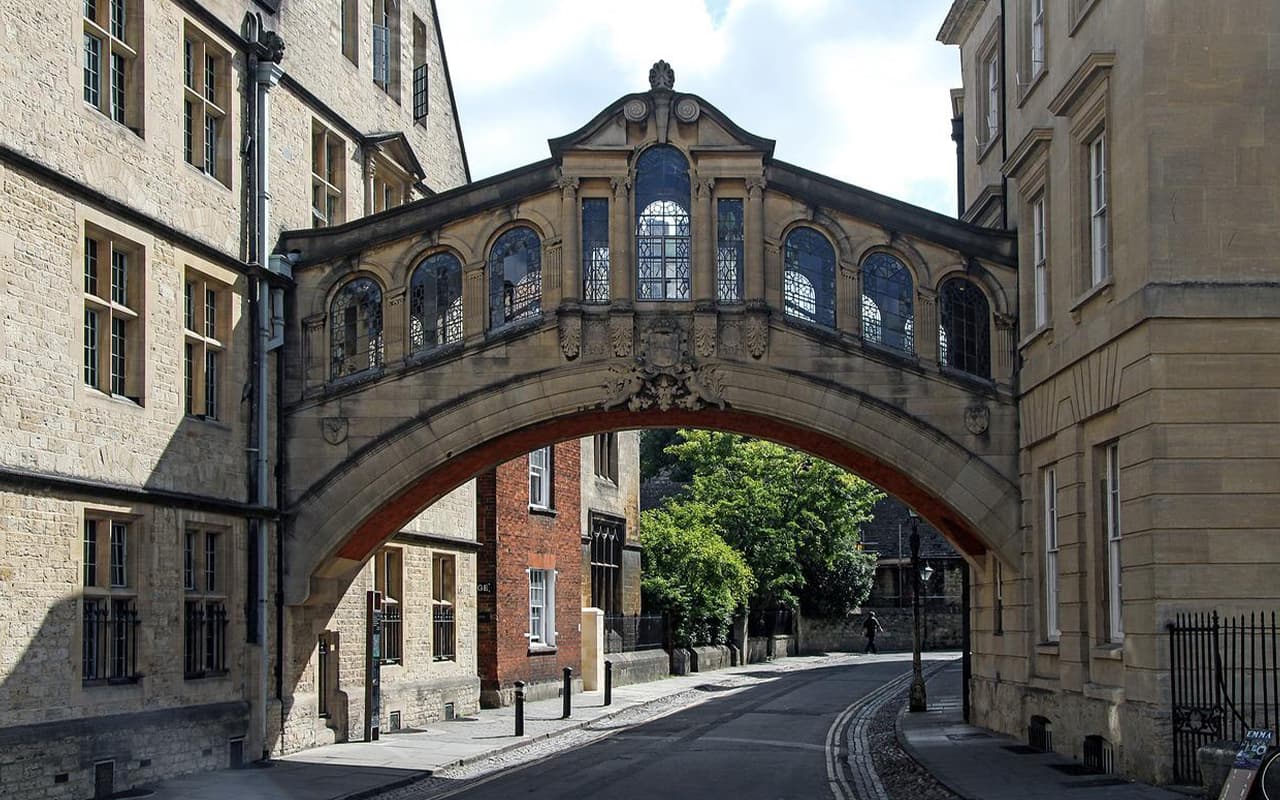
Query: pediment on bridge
661, 115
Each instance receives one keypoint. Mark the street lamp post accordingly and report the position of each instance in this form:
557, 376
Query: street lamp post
918, 699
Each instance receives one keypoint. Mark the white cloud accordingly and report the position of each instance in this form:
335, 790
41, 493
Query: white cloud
855, 89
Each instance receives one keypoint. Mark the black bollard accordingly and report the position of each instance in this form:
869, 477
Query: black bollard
519, 708
608, 682
568, 692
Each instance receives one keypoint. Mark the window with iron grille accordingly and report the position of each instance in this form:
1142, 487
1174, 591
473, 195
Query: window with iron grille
435, 303
205, 588
328, 177
888, 302
662, 224
515, 277
595, 250
443, 623
729, 252
388, 578
809, 279
355, 328
608, 535
964, 330
206, 307
206, 78
112, 66
109, 633
113, 347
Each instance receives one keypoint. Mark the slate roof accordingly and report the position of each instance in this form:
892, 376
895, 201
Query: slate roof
880, 535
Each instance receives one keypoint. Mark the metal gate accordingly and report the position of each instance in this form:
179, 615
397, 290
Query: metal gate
1224, 679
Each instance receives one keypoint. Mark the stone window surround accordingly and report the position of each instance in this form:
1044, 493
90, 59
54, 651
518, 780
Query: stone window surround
328, 176
1111, 530
988, 52
386, 17
349, 30
1049, 549
605, 457
203, 106
202, 591
135, 569
124, 43
1029, 76
201, 279
1028, 165
131, 312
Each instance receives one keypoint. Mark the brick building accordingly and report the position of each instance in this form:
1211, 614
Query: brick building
560, 522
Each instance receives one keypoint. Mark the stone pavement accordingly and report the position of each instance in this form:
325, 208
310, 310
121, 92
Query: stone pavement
358, 769
980, 765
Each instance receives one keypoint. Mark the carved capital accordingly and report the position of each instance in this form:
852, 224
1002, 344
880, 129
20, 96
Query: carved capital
755, 186
621, 184
704, 187
568, 186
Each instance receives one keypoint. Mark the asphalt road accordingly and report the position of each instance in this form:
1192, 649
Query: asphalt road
769, 741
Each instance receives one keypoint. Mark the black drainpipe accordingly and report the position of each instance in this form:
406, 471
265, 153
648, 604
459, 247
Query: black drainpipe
957, 136
1004, 124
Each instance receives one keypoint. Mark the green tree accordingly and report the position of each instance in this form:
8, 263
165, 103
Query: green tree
795, 519
692, 573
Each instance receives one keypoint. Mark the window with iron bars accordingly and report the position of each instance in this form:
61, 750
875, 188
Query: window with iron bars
109, 635
443, 628
388, 578
608, 534
204, 640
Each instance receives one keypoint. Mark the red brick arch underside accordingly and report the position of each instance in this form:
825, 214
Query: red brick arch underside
436, 483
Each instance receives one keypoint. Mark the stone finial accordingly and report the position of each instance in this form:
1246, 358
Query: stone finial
662, 76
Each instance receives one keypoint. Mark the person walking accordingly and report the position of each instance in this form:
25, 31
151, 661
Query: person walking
869, 627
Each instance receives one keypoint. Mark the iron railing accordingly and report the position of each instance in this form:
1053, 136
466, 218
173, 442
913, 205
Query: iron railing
110, 640
392, 633
204, 646
443, 629
625, 633
1224, 680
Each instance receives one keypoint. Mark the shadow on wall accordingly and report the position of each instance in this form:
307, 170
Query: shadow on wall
73, 727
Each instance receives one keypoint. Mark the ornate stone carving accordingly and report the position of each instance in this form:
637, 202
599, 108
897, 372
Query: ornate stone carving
662, 76
757, 335
731, 339
635, 110
568, 185
704, 187
620, 336
664, 375
704, 334
620, 185
595, 339
977, 418
687, 109
755, 185
334, 429
570, 336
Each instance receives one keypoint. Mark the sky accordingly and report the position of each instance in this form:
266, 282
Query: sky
854, 89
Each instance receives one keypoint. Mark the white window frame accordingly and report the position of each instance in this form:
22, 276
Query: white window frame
540, 477
991, 71
1050, 501
1111, 506
328, 177
1039, 250
1099, 244
542, 628
1037, 38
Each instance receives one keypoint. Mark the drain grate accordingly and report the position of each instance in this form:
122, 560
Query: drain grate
1095, 783
1022, 750
1074, 770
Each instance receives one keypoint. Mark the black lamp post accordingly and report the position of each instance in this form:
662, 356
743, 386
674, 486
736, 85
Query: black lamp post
918, 698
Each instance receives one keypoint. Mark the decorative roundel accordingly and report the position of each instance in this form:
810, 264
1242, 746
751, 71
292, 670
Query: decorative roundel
687, 109
635, 110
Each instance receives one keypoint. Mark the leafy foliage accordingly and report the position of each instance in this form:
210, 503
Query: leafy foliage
691, 572
793, 518
654, 457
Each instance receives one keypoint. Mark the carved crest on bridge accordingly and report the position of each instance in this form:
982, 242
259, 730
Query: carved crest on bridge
663, 374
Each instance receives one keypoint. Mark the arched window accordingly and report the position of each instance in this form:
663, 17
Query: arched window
662, 225
809, 279
964, 333
887, 288
515, 277
435, 303
355, 328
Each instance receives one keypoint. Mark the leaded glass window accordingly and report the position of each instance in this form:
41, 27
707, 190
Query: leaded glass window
355, 328
515, 277
595, 250
809, 280
964, 337
887, 302
662, 225
729, 251
435, 303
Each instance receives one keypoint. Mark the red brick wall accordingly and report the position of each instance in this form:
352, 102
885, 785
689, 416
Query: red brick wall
514, 539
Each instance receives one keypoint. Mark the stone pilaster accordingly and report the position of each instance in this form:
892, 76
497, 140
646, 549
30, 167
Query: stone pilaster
621, 268
704, 275
571, 243
475, 302
753, 255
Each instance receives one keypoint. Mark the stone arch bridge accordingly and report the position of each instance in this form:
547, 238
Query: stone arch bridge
704, 285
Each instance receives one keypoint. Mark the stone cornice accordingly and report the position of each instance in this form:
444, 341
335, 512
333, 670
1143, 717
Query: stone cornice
960, 19
1094, 68
1032, 145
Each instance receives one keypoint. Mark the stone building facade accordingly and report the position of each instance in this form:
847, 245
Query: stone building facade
138, 555
611, 522
1134, 149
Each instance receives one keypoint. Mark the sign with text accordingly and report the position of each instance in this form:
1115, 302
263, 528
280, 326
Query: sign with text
1245, 770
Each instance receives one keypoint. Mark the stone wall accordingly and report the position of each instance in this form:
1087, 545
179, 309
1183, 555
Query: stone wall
941, 629
641, 666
